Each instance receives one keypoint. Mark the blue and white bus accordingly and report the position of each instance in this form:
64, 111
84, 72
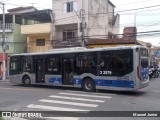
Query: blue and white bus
113, 68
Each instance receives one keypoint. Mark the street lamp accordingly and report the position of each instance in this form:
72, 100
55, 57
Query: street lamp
3, 42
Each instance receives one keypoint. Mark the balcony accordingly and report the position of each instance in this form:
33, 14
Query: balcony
8, 27
68, 43
36, 28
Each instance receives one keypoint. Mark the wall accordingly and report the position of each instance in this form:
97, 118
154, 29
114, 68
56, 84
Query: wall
19, 40
31, 42
10, 40
36, 28
96, 24
15, 41
65, 18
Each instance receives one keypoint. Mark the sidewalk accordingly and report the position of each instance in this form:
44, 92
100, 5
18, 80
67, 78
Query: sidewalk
6, 80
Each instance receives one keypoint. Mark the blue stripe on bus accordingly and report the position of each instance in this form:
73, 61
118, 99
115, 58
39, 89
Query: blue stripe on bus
115, 83
55, 80
112, 83
77, 81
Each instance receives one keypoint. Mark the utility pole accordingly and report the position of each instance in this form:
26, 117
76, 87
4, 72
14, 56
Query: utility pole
83, 25
4, 43
135, 18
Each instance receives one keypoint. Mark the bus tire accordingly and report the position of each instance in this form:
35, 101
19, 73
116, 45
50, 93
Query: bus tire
26, 81
88, 85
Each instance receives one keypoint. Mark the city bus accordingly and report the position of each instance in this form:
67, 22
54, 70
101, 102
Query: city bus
111, 68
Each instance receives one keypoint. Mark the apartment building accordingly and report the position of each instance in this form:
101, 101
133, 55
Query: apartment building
71, 17
38, 31
15, 42
26, 30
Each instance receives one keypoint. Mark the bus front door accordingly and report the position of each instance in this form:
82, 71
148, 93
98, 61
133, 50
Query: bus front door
67, 74
40, 71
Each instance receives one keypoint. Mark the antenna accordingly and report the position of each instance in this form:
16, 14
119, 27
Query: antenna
32, 4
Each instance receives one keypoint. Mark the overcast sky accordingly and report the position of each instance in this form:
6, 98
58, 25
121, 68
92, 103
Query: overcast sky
144, 19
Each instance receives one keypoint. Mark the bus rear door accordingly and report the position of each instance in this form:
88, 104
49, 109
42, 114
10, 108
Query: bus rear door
67, 71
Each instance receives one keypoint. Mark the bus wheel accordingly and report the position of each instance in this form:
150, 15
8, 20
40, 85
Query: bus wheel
88, 85
26, 81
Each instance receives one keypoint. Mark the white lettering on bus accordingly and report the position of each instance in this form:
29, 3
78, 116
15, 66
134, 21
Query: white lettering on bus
105, 72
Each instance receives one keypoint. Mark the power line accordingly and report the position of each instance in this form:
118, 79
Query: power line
133, 3
110, 12
142, 12
129, 24
128, 10
138, 34
107, 13
139, 8
150, 25
100, 13
32, 4
66, 18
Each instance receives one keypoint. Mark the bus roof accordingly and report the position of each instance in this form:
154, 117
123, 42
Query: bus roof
77, 49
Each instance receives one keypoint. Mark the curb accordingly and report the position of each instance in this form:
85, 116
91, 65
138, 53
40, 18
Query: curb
4, 80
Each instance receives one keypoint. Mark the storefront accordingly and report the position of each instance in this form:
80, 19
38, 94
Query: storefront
1, 63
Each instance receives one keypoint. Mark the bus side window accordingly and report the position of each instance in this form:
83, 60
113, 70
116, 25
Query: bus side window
27, 64
102, 63
118, 63
13, 66
93, 63
52, 65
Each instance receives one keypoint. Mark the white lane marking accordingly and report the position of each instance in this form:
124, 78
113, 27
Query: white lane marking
21, 89
68, 103
90, 93
61, 118
84, 95
14, 118
74, 98
54, 108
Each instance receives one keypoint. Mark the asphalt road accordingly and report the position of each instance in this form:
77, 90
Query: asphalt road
43, 98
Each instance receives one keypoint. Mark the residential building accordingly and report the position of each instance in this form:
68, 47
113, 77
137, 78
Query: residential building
38, 32
15, 42
88, 18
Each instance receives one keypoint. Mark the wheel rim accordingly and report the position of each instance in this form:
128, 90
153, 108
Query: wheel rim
27, 81
88, 85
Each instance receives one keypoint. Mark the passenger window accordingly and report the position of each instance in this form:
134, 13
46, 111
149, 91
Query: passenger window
119, 62
52, 65
85, 61
15, 65
28, 64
